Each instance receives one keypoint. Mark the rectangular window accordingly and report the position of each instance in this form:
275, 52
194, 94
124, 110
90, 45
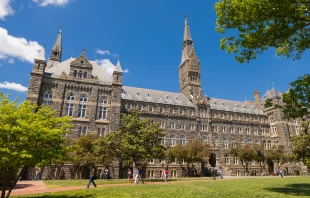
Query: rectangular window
232, 129
151, 108
224, 128
247, 130
102, 113
75, 73
69, 109
227, 161
161, 110
181, 112
171, 124
171, 110
162, 124
215, 128
128, 106
192, 126
82, 111
236, 161
239, 130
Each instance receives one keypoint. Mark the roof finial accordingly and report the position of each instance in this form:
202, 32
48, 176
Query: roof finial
185, 19
60, 31
83, 50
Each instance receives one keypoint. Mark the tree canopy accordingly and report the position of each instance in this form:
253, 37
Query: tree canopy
259, 25
29, 135
137, 139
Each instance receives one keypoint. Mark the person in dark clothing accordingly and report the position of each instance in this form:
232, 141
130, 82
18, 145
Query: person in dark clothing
214, 173
91, 178
141, 174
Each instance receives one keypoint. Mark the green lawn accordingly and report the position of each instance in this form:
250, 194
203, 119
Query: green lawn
257, 187
84, 182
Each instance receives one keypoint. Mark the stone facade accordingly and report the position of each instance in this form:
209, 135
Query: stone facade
79, 88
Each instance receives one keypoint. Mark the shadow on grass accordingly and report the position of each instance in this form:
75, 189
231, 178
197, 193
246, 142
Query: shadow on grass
302, 189
19, 186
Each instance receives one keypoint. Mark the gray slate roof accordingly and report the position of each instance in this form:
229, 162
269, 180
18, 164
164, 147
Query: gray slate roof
65, 66
235, 106
155, 96
270, 94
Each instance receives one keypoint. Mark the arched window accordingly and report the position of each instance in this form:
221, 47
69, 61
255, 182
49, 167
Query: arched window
80, 74
172, 124
172, 139
82, 106
85, 75
70, 104
82, 130
182, 140
265, 144
47, 98
242, 142
103, 109
204, 139
225, 142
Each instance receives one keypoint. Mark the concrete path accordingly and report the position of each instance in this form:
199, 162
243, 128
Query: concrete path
37, 187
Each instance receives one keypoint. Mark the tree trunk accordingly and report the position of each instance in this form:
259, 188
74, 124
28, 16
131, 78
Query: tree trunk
15, 182
3, 183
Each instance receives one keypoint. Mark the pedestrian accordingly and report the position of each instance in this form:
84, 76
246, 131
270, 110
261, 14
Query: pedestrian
36, 177
165, 174
91, 178
213, 173
102, 174
281, 173
106, 173
129, 175
136, 175
221, 173
141, 174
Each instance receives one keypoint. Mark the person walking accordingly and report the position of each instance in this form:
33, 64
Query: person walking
221, 173
136, 175
213, 173
102, 174
129, 175
36, 177
91, 178
165, 174
141, 174
106, 173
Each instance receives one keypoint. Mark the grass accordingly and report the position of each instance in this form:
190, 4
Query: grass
256, 187
84, 182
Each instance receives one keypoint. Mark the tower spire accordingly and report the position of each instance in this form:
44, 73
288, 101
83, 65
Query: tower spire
56, 53
187, 45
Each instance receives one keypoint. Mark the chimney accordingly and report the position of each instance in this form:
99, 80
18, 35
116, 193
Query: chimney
257, 97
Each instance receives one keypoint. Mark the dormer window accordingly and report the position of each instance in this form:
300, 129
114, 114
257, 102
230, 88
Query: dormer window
85, 75
75, 73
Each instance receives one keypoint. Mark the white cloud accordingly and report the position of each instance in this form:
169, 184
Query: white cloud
17, 47
102, 52
52, 2
108, 66
11, 60
5, 9
13, 86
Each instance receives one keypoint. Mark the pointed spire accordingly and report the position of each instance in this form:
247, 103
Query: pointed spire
41, 55
118, 67
187, 33
57, 46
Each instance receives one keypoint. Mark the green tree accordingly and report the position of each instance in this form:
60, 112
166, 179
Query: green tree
260, 157
276, 155
29, 135
245, 153
283, 25
137, 139
295, 104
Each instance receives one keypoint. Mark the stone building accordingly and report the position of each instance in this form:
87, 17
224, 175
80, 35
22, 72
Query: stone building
80, 88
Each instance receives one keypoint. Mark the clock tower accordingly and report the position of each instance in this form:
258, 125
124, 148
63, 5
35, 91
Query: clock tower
189, 69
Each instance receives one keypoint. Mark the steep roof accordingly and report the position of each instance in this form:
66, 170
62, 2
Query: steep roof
156, 96
118, 67
235, 106
41, 55
56, 70
272, 93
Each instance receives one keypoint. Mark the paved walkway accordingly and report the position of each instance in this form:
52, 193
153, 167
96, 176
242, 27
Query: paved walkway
37, 187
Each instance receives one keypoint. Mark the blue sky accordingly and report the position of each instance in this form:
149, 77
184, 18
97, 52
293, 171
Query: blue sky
145, 34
